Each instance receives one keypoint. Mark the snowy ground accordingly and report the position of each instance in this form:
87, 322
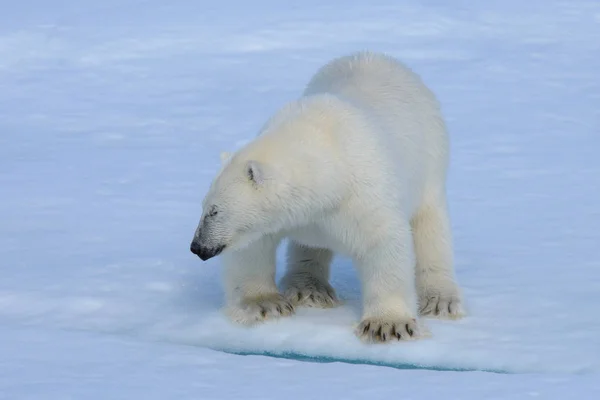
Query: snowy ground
112, 117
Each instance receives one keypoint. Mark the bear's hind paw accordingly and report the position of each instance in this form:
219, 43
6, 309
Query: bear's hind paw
311, 293
442, 307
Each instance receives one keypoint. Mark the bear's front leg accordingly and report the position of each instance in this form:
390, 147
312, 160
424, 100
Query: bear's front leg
250, 288
389, 295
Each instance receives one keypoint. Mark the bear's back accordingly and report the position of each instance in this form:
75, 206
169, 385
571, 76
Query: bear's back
405, 110
373, 80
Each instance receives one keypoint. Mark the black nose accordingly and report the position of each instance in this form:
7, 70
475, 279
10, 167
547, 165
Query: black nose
195, 248
205, 253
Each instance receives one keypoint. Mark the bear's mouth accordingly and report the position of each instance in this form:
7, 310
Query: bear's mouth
206, 253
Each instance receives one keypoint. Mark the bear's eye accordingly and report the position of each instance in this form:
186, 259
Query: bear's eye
212, 212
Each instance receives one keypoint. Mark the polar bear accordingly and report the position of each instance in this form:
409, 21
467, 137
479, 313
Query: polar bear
356, 166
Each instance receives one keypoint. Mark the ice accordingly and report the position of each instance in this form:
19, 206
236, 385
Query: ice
112, 119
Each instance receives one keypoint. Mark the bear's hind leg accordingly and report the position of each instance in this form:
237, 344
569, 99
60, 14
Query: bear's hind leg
439, 294
306, 281
250, 288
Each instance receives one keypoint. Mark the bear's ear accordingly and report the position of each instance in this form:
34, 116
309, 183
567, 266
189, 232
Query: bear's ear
255, 172
225, 156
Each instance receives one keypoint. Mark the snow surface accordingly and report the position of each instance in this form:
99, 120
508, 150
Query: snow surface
112, 118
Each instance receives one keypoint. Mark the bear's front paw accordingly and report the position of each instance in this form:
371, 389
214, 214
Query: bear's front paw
443, 306
383, 330
254, 310
310, 292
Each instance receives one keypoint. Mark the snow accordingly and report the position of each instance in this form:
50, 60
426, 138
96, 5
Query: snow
57, 365
112, 118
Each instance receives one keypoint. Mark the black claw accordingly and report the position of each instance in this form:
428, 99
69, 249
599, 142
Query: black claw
410, 331
398, 336
289, 307
425, 306
312, 297
279, 310
437, 309
299, 296
263, 312
378, 333
383, 337
449, 304
366, 328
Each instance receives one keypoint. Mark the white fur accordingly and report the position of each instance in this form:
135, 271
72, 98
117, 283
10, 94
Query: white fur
356, 166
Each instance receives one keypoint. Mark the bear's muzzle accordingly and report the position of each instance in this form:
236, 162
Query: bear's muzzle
204, 252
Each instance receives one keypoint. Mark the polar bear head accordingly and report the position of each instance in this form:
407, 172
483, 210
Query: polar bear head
289, 176
248, 199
